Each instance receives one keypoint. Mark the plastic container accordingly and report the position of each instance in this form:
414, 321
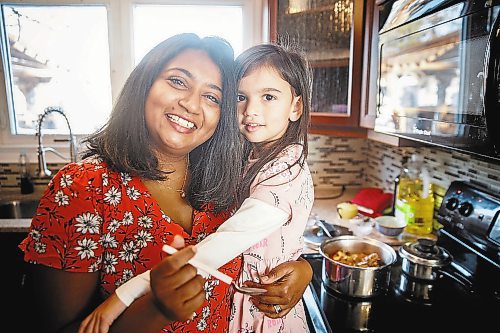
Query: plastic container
415, 198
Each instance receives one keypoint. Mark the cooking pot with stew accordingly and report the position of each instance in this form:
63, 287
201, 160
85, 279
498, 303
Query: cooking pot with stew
356, 267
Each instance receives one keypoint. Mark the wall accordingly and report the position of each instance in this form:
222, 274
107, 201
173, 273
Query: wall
357, 162
336, 162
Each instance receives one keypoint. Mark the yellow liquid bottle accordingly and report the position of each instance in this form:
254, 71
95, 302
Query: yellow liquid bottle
415, 200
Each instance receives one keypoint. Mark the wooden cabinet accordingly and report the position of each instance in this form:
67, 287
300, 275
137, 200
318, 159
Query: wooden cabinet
331, 33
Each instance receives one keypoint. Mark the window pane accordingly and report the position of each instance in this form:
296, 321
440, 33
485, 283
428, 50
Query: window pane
58, 56
154, 23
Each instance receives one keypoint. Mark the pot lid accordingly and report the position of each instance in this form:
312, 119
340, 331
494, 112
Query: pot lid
321, 230
425, 251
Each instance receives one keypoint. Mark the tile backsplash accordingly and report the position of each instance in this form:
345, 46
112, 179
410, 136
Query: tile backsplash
358, 162
351, 162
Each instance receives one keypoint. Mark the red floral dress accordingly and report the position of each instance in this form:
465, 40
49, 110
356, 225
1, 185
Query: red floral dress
92, 218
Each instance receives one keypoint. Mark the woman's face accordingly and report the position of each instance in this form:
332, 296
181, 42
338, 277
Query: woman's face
183, 105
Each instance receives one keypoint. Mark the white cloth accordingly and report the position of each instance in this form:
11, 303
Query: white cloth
252, 222
134, 288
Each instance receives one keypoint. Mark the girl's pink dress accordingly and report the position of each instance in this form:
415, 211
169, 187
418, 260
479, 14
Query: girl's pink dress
292, 191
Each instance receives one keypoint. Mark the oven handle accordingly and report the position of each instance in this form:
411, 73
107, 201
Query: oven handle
491, 96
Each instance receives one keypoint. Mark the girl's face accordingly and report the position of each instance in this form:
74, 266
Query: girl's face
183, 105
266, 105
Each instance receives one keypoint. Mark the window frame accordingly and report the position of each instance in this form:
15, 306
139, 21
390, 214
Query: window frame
121, 53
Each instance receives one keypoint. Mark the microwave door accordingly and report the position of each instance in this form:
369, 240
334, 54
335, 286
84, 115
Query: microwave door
492, 82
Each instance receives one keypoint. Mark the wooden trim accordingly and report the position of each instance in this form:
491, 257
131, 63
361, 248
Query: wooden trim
273, 20
370, 65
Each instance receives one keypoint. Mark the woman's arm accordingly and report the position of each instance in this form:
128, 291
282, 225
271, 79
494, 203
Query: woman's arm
58, 300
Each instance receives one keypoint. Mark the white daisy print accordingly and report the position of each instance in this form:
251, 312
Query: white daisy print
145, 222
110, 262
61, 199
40, 247
105, 179
129, 252
94, 267
202, 325
127, 275
35, 234
108, 241
88, 222
125, 178
132, 193
66, 181
113, 196
86, 248
143, 237
128, 218
205, 312
113, 225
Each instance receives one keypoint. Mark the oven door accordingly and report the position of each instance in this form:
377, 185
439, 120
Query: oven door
431, 83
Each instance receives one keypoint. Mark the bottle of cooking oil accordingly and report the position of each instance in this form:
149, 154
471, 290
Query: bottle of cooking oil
415, 199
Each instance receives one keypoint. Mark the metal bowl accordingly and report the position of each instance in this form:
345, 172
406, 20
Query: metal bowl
356, 281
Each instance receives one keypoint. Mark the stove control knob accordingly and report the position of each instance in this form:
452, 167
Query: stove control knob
466, 209
452, 203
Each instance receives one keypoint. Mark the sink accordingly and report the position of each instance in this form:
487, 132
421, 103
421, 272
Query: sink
18, 209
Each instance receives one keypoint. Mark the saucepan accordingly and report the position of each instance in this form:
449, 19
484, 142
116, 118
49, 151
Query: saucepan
357, 279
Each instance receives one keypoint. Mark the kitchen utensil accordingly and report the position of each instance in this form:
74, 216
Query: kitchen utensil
422, 259
217, 274
389, 226
356, 281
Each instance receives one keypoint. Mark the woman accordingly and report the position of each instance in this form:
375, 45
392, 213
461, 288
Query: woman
154, 171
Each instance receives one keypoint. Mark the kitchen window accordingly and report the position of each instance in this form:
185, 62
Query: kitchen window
77, 55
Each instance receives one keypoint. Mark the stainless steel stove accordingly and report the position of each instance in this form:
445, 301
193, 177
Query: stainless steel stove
461, 298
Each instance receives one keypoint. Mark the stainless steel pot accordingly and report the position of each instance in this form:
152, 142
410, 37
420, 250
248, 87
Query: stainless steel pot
356, 281
423, 259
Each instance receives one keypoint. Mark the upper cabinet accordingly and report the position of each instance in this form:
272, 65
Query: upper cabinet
331, 34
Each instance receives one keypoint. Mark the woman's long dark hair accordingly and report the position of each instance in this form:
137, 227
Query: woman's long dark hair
125, 144
289, 61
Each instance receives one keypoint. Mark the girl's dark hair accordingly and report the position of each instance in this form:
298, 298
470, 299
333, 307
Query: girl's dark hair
289, 61
125, 144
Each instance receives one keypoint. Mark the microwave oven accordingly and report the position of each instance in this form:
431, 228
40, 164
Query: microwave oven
438, 76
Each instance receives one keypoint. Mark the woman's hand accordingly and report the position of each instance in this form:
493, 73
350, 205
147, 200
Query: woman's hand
285, 286
176, 288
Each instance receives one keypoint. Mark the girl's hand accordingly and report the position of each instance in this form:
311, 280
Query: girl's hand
285, 286
103, 316
176, 288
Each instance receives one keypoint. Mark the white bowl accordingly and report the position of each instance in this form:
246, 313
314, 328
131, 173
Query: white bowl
389, 226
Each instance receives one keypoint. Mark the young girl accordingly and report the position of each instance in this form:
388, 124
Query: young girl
276, 192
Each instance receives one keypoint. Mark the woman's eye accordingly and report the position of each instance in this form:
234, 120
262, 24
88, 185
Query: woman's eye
268, 97
213, 99
176, 81
241, 98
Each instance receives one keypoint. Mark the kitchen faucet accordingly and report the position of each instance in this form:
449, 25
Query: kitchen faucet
43, 171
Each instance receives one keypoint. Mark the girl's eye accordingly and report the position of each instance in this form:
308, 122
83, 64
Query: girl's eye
268, 97
241, 98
